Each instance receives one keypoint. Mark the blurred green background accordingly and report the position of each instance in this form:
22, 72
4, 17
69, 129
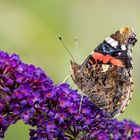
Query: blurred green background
31, 28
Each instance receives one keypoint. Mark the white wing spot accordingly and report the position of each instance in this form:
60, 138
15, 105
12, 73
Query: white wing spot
111, 41
105, 67
119, 53
114, 44
123, 47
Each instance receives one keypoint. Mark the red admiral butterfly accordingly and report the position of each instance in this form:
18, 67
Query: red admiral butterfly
105, 75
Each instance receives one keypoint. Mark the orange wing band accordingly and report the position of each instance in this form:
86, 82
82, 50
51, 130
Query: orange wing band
106, 59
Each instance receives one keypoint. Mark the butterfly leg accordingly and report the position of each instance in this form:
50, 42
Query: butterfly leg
81, 103
66, 79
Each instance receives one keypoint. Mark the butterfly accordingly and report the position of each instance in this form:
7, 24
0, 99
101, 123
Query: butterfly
106, 74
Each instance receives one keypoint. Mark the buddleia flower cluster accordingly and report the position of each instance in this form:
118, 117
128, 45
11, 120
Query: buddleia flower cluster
28, 94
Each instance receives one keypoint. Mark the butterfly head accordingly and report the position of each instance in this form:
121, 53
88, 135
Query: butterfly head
125, 36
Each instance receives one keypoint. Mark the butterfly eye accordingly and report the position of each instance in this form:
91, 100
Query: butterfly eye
132, 40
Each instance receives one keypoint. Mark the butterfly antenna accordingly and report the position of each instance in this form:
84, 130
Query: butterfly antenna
64, 45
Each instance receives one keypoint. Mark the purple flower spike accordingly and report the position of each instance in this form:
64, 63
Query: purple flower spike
28, 94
